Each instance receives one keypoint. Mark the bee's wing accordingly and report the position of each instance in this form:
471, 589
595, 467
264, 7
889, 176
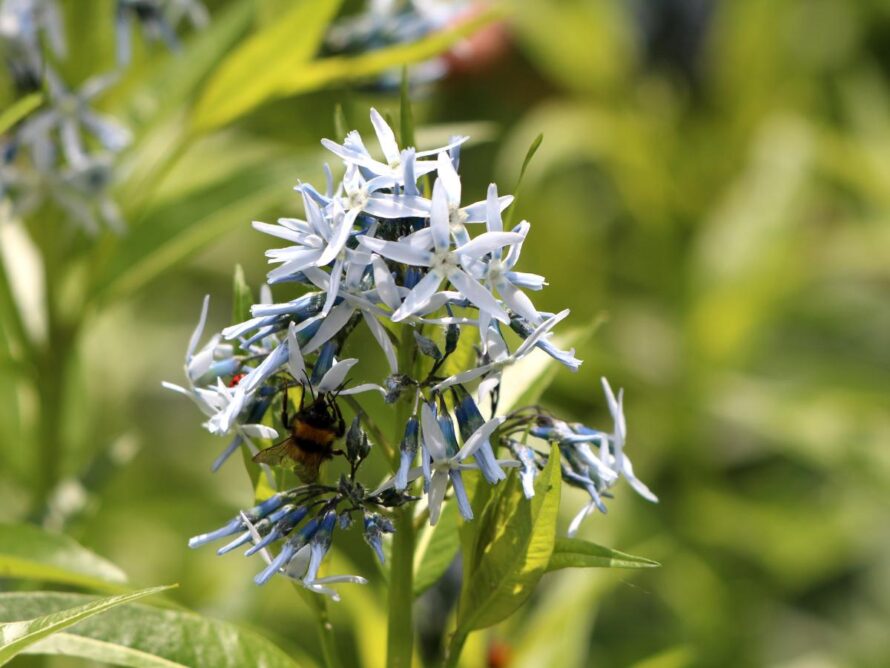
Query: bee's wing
307, 468
277, 453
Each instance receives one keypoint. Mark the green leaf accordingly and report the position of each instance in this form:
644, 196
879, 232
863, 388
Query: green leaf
435, 549
406, 114
175, 230
341, 125
142, 636
514, 546
17, 636
258, 69
32, 553
19, 110
242, 297
335, 70
576, 553
508, 220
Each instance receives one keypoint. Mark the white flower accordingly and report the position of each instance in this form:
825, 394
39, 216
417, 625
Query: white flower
501, 360
353, 151
443, 262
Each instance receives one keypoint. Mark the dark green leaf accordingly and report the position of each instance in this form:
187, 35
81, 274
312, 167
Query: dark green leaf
576, 553
18, 635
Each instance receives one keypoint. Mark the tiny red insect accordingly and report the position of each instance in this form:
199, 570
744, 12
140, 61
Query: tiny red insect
236, 379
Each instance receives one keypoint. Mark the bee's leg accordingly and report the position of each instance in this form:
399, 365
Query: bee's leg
284, 417
341, 423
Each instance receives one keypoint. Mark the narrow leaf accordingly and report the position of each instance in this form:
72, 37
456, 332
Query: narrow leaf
173, 231
17, 636
341, 125
143, 636
508, 219
31, 553
338, 69
406, 114
436, 548
242, 297
19, 110
576, 553
259, 67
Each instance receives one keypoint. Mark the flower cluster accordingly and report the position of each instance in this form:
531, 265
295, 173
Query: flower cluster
65, 150
391, 248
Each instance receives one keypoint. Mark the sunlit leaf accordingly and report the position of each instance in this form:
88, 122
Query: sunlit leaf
16, 112
260, 67
436, 548
576, 553
338, 69
146, 637
17, 636
28, 552
515, 543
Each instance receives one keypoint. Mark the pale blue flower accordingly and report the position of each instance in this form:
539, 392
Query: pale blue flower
443, 262
354, 153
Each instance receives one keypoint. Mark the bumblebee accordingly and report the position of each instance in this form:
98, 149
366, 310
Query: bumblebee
313, 431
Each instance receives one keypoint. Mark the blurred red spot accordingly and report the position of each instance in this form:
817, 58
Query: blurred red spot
481, 49
236, 379
499, 654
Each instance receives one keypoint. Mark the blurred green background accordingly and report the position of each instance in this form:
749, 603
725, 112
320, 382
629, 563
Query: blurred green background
715, 180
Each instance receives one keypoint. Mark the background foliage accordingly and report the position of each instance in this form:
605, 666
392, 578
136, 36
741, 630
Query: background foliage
713, 179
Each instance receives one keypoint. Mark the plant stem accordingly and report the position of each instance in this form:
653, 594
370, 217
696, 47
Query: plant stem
400, 629
400, 626
455, 647
326, 635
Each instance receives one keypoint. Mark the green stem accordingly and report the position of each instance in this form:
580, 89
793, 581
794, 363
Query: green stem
400, 626
326, 635
52, 362
455, 647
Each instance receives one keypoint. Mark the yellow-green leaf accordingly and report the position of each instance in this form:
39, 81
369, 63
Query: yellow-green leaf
337, 69
258, 69
19, 110
514, 546
576, 553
